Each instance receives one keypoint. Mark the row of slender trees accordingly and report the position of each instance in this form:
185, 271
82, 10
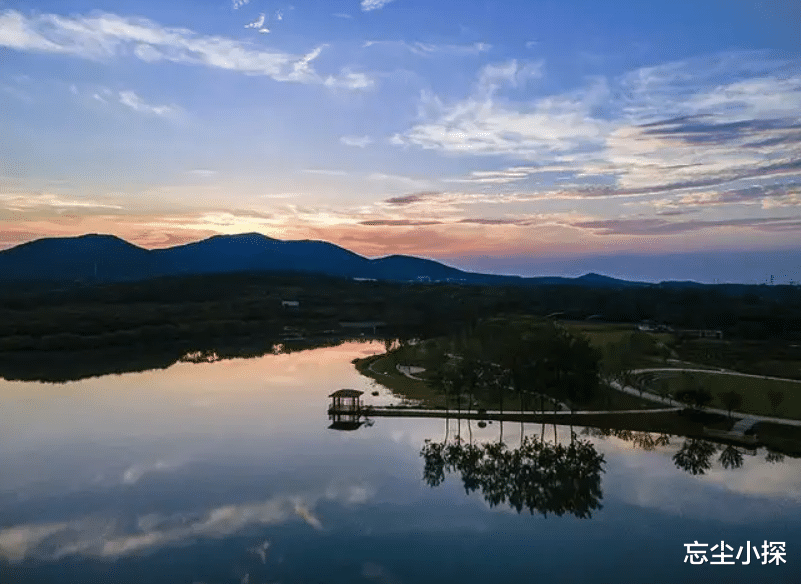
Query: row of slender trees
505, 358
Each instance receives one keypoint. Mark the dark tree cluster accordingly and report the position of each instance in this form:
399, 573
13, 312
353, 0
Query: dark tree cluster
519, 357
542, 477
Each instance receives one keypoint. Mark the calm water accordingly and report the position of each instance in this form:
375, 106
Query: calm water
227, 472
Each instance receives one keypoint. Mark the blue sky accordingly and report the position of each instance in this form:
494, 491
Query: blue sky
507, 136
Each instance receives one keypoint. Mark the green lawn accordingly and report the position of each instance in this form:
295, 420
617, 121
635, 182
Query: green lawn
754, 391
382, 369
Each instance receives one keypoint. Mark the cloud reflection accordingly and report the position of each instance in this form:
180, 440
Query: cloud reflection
106, 538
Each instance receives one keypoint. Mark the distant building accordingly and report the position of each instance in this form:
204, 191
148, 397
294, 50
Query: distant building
290, 304
701, 334
653, 327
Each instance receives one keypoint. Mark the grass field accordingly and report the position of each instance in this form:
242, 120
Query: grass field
606, 337
754, 391
382, 369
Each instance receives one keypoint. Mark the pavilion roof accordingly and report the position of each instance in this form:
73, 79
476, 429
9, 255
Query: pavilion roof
346, 393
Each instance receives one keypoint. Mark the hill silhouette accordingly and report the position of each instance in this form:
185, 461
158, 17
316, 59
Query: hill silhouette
107, 258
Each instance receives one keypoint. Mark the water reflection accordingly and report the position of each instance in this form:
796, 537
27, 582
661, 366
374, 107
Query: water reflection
694, 456
74, 365
207, 472
537, 475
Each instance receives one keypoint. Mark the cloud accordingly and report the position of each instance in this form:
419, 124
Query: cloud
698, 124
411, 198
106, 36
33, 201
303, 512
511, 73
498, 221
400, 222
203, 172
356, 141
258, 24
261, 550
134, 473
430, 49
399, 179
349, 80
510, 174
656, 226
482, 125
768, 195
368, 5
137, 104
326, 171
110, 538
237, 4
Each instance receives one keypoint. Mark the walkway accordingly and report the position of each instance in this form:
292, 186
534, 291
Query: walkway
409, 370
506, 416
715, 371
671, 402
742, 426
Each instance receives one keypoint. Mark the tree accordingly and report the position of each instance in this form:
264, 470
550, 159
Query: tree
732, 401
695, 398
776, 397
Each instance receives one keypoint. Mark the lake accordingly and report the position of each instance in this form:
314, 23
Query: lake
227, 472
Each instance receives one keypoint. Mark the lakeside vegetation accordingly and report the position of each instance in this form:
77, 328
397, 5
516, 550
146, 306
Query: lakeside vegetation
511, 355
764, 322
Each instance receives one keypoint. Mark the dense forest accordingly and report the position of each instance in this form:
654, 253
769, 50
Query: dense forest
39, 317
100, 328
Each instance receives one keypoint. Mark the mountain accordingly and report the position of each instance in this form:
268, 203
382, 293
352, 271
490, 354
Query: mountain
600, 281
107, 258
256, 252
85, 257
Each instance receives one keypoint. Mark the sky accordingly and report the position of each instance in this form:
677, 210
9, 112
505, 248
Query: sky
649, 140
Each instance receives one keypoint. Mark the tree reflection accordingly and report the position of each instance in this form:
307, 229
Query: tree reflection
731, 457
644, 440
695, 456
548, 478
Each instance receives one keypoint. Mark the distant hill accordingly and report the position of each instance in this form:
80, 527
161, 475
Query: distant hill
88, 257
106, 258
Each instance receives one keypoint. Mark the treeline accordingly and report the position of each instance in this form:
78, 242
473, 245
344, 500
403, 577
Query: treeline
234, 304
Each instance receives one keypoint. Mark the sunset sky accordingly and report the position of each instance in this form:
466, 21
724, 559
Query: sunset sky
650, 140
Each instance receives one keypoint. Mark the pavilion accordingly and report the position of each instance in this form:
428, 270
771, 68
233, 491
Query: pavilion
345, 409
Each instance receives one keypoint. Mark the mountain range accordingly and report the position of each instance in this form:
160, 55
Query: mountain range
107, 258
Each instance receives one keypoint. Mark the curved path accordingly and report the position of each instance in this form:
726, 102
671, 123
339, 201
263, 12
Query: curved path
715, 371
671, 402
409, 370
